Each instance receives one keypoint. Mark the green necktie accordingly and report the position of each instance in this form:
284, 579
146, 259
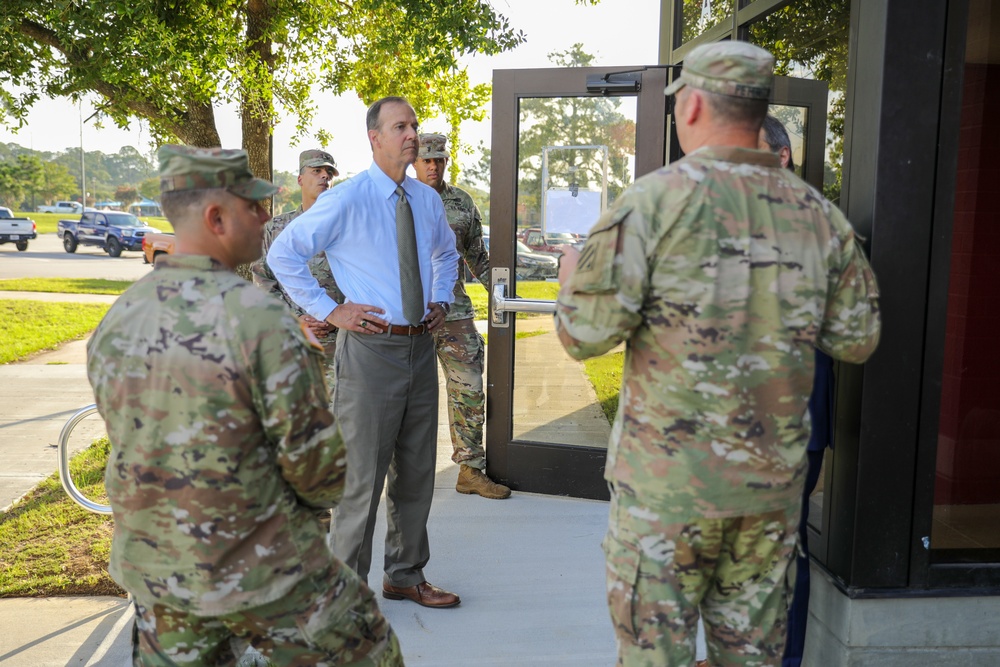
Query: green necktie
410, 287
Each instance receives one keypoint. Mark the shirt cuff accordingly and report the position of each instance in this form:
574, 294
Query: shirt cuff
323, 305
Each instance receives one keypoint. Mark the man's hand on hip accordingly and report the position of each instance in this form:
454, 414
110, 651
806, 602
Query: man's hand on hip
357, 317
436, 317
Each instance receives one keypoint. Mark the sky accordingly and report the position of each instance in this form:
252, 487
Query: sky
616, 32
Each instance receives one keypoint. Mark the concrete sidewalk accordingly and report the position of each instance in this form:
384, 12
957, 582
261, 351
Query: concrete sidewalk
529, 569
39, 395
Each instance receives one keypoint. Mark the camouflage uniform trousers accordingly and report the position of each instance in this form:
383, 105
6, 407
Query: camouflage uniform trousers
329, 618
462, 352
329, 343
737, 573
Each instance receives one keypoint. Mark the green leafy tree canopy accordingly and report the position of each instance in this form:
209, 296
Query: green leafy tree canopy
557, 122
172, 62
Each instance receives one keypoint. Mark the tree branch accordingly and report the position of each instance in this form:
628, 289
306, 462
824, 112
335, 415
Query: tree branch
188, 125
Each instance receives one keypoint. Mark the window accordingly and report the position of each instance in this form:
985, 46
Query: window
966, 520
699, 16
810, 41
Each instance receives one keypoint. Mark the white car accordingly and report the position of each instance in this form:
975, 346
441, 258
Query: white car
62, 207
528, 265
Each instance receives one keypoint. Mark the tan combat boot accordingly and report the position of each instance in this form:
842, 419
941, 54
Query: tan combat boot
472, 480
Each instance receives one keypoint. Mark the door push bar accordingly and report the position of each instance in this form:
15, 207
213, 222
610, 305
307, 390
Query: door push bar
502, 304
64, 476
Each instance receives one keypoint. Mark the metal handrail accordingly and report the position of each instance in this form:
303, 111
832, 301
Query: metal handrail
64, 476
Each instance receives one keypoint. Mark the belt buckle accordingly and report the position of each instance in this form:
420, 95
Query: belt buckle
406, 329
415, 329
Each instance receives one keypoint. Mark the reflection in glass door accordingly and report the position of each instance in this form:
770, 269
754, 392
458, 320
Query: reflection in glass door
575, 156
796, 120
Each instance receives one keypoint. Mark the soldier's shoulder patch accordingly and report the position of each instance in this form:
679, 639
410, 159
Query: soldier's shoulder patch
310, 336
595, 270
613, 218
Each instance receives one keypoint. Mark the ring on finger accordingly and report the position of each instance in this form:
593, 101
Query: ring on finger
364, 324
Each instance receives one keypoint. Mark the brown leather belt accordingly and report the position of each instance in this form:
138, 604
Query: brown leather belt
407, 330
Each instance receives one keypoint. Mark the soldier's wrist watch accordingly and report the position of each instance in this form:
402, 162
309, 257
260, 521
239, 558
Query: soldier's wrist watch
445, 306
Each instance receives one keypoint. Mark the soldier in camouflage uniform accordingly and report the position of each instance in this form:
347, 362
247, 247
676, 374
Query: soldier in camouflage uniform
223, 444
721, 272
460, 347
317, 169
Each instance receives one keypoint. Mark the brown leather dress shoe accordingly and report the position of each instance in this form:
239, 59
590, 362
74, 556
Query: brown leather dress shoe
425, 594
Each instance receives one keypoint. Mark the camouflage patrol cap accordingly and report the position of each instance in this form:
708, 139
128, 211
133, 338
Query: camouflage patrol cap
317, 158
432, 146
189, 168
737, 69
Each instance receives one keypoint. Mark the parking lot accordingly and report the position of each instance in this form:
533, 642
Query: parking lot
46, 258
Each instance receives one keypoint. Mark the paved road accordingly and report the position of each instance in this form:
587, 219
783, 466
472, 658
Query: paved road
45, 258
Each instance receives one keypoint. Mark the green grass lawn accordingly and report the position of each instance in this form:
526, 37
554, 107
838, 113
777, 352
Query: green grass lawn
605, 373
30, 326
47, 223
51, 546
65, 285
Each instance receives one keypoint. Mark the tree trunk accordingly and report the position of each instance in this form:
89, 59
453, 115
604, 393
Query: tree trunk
198, 128
256, 105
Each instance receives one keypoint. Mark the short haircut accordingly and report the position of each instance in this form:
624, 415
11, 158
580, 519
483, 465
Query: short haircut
302, 170
776, 137
372, 119
742, 111
179, 205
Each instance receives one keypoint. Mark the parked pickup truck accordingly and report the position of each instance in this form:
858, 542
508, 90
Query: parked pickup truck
110, 230
62, 207
156, 244
16, 230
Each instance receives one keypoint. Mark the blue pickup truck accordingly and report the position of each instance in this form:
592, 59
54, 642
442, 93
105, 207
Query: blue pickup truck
110, 230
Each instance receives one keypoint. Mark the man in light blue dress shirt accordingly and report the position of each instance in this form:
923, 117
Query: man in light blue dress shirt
386, 395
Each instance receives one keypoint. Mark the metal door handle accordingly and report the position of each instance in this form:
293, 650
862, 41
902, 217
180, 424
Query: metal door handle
503, 304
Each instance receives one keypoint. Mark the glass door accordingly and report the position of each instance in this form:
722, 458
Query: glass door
566, 143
